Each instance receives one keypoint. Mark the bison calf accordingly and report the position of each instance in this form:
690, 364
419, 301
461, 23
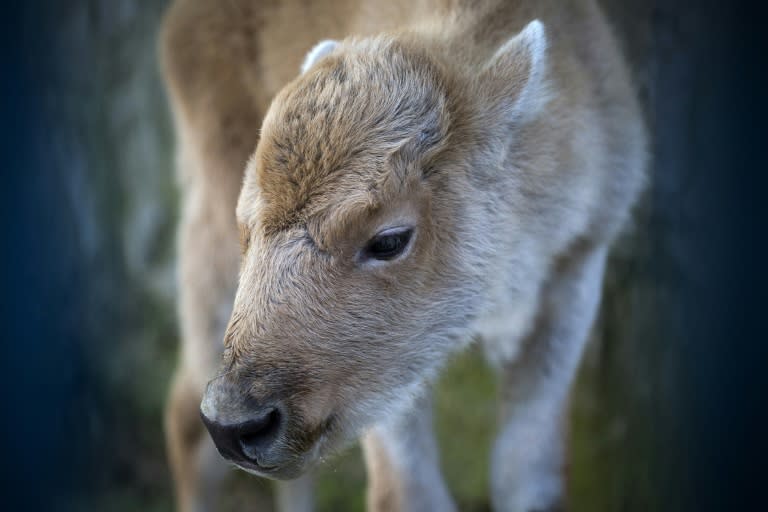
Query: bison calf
438, 171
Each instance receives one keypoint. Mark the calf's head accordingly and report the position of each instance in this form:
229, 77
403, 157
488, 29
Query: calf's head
362, 253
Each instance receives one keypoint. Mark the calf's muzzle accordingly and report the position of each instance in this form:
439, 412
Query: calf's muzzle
245, 430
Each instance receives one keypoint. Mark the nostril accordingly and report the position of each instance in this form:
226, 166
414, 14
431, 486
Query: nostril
255, 435
248, 440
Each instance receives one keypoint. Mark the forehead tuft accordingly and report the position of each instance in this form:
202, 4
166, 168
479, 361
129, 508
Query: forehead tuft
338, 126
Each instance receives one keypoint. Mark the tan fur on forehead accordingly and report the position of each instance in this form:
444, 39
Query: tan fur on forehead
351, 121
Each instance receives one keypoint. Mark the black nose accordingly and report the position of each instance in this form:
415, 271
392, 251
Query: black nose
248, 440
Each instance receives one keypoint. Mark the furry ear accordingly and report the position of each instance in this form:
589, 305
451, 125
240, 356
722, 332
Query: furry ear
514, 77
320, 50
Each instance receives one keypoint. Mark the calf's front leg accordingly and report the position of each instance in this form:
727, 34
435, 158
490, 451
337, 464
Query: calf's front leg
403, 464
528, 458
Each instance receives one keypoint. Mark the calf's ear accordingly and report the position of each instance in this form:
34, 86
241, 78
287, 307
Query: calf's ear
319, 51
514, 79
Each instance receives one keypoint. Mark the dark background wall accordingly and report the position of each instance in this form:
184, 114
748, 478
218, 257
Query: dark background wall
668, 411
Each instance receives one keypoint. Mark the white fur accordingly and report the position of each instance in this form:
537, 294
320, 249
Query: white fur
296, 495
529, 452
410, 447
504, 324
213, 471
532, 43
208, 406
319, 51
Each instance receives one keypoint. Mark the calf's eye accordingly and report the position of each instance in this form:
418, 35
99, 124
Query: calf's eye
388, 244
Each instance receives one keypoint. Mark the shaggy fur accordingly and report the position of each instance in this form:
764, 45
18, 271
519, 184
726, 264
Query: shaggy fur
506, 134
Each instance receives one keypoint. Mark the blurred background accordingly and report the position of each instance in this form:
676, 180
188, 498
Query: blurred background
667, 412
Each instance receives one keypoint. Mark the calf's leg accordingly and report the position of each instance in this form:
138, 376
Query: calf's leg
197, 470
295, 495
403, 467
528, 458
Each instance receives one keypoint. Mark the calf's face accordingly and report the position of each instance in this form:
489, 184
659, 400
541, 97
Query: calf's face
360, 258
